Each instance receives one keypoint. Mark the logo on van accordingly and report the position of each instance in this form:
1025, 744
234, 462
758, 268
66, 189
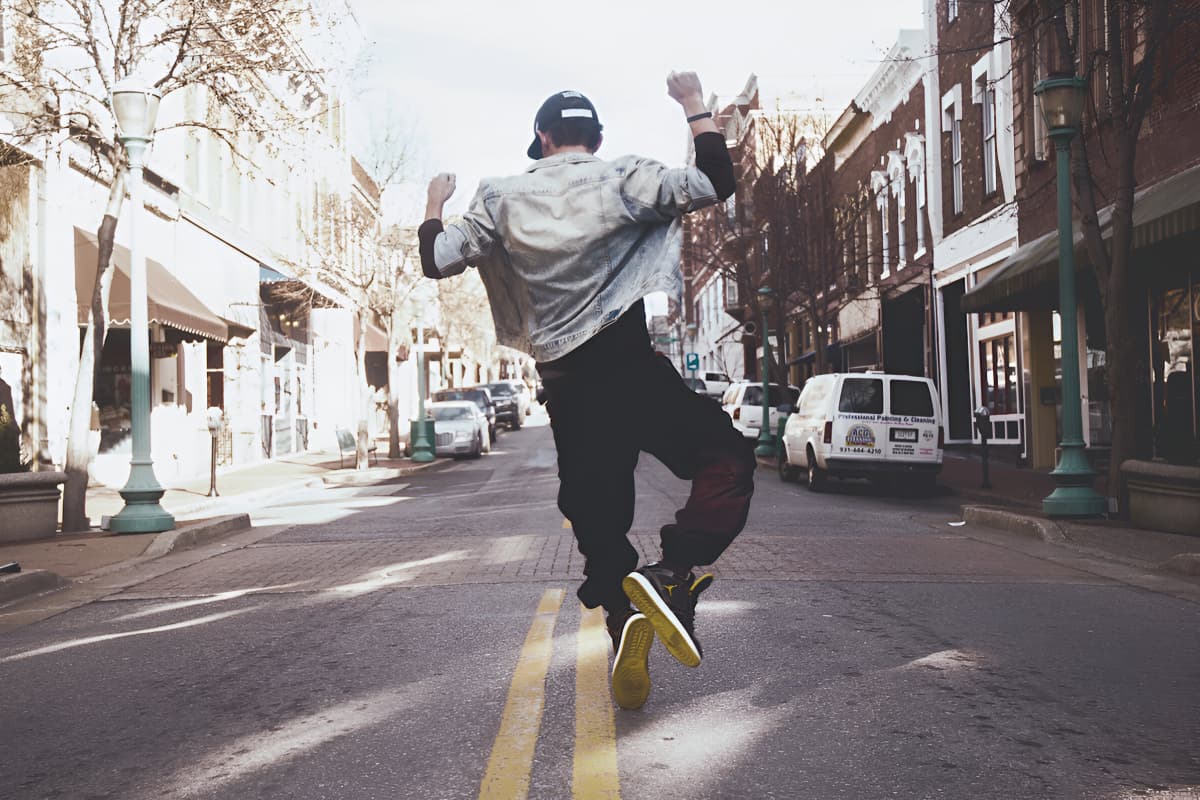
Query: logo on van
927, 435
860, 436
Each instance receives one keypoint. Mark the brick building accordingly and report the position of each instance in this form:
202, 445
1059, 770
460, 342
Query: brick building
1163, 320
973, 216
879, 200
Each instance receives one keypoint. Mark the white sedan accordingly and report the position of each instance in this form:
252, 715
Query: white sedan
460, 429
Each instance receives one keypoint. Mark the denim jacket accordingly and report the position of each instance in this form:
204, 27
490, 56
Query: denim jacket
567, 246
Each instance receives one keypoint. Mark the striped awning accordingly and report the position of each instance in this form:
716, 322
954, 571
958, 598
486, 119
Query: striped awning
169, 302
1028, 279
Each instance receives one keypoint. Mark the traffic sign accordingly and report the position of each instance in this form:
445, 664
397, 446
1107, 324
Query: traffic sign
693, 361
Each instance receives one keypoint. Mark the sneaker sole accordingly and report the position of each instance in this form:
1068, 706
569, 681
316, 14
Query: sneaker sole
631, 665
674, 636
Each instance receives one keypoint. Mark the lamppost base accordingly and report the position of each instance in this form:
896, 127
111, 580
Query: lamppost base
1074, 501
142, 513
423, 436
765, 447
1074, 496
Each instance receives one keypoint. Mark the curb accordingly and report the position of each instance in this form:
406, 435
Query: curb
197, 534
258, 494
376, 475
1183, 564
1013, 522
984, 496
23, 584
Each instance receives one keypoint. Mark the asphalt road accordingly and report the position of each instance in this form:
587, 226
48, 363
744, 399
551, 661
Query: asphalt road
422, 640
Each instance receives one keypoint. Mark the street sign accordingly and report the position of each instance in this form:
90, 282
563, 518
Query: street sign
693, 361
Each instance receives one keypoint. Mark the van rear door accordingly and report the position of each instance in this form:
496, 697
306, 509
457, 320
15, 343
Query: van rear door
912, 421
858, 428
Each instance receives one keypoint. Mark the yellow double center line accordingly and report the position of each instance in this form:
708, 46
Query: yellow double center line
511, 762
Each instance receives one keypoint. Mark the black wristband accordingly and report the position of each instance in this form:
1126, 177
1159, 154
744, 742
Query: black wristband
704, 115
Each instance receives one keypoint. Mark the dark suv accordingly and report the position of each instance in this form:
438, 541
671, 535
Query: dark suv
508, 405
480, 396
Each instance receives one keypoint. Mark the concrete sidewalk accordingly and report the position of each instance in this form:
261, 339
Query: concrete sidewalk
46, 564
1013, 503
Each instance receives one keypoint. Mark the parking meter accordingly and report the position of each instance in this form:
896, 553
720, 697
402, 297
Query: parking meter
983, 424
214, 418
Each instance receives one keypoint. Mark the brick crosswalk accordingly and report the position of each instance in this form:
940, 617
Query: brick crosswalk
443, 560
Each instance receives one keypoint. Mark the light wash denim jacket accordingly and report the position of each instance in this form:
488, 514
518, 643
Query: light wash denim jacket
567, 246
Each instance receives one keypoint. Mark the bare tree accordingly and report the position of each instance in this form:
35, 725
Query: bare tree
790, 234
391, 308
1127, 51
466, 317
239, 55
373, 269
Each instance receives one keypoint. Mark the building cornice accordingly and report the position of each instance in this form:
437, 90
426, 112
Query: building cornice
892, 81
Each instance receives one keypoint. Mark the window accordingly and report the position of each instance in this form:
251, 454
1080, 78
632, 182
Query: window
998, 378
731, 292
989, 139
776, 395
1040, 134
911, 399
951, 10
814, 396
861, 396
449, 413
731, 209
956, 162
883, 232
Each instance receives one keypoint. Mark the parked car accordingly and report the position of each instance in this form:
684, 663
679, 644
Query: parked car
480, 397
508, 408
864, 425
743, 402
460, 428
696, 385
524, 401
716, 383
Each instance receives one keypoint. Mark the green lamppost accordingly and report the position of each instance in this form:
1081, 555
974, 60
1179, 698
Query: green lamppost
422, 432
766, 441
135, 106
1062, 99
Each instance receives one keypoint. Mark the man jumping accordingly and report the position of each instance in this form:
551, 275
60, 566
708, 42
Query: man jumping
567, 251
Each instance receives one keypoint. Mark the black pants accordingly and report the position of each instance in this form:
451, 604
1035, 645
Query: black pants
602, 418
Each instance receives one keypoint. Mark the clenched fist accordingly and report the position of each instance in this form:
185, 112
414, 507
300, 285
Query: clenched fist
441, 188
684, 87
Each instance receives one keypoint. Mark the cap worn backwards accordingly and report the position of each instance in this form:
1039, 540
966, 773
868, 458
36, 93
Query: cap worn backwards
558, 107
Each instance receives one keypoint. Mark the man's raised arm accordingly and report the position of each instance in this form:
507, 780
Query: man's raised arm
712, 157
440, 190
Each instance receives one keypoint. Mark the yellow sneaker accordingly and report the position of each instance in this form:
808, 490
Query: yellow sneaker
631, 664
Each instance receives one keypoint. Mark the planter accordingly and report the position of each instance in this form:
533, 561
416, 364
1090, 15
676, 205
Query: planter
1163, 497
29, 505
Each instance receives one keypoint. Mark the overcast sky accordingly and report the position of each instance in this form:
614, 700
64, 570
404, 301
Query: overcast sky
465, 77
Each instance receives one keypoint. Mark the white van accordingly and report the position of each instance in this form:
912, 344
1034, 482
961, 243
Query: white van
864, 425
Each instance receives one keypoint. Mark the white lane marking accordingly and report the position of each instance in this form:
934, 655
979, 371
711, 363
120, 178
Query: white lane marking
108, 637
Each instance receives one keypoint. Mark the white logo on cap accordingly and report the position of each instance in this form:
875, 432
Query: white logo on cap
572, 94
577, 112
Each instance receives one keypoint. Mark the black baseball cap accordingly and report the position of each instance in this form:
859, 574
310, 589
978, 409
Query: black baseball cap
560, 106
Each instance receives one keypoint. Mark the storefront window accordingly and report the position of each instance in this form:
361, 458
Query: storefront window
1098, 423
1099, 416
998, 374
114, 381
1176, 316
